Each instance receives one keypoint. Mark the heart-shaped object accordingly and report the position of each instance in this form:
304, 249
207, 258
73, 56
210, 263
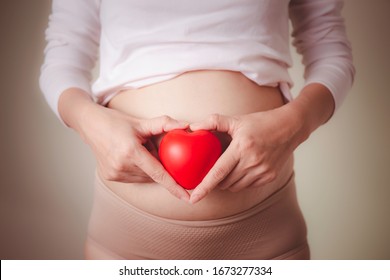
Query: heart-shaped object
189, 155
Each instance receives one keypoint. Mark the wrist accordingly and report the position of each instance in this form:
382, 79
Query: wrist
296, 127
313, 107
73, 107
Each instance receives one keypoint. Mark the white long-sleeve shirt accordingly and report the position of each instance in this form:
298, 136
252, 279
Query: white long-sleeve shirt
144, 42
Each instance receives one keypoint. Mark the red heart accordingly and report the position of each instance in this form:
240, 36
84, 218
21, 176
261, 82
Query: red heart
188, 156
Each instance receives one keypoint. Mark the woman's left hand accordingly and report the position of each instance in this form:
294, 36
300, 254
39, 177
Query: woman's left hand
261, 144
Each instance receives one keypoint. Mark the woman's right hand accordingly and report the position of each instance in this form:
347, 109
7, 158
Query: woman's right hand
119, 143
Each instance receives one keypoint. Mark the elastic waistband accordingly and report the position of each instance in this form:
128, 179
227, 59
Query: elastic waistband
123, 205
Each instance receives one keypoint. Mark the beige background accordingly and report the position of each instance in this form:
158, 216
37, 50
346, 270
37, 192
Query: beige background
46, 171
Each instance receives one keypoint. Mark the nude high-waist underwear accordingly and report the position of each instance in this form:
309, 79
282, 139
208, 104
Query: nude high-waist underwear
273, 229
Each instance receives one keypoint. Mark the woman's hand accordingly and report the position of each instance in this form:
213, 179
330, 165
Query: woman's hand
121, 143
124, 151
262, 142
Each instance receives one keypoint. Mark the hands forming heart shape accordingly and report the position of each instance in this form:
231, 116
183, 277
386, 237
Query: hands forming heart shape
189, 155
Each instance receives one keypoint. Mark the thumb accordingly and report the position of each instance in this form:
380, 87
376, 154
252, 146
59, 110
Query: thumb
160, 125
215, 122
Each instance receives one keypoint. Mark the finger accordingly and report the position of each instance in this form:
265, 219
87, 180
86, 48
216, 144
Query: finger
237, 174
138, 179
250, 177
242, 183
257, 181
151, 147
224, 165
132, 175
136, 173
151, 166
215, 122
160, 125
131, 178
234, 176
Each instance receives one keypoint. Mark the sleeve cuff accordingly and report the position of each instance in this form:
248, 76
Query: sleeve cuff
54, 81
338, 82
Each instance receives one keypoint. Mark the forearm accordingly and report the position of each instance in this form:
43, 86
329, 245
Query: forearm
314, 106
73, 105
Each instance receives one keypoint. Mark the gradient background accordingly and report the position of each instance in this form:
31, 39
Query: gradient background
46, 171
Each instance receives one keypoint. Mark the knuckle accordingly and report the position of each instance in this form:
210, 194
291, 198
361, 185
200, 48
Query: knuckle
111, 175
272, 176
130, 149
214, 118
173, 190
218, 173
165, 118
265, 168
158, 176
118, 166
247, 144
254, 159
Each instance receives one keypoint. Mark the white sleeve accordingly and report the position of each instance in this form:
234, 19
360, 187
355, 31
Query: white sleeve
319, 35
72, 45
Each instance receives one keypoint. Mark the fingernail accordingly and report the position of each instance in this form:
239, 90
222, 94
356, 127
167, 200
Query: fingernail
184, 124
195, 198
193, 126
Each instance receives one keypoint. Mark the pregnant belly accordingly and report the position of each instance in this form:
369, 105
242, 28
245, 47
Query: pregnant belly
192, 97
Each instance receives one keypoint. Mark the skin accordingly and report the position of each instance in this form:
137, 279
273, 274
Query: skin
125, 157
261, 142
